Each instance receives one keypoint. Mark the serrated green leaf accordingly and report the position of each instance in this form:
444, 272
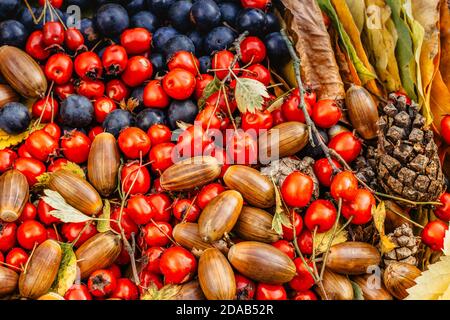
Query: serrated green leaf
67, 272
103, 224
165, 293
209, 90
250, 94
357, 291
63, 211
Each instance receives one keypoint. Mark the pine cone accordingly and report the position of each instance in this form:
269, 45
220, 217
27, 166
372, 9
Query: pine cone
407, 246
407, 158
366, 167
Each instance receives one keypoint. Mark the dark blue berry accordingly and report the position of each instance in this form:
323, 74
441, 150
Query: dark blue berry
27, 20
179, 15
272, 23
276, 47
205, 64
162, 35
158, 62
14, 118
89, 31
9, 9
111, 19
67, 130
218, 39
25, 17
76, 111
229, 11
185, 111
145, 19
138, 94
160, 7
150, 116
118, 120
13, 33
178, 43
251, 20
205, 14
135, 6
197, 40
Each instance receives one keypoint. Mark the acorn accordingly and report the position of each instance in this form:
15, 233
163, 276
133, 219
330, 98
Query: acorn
188, 236
41, 271
76, 191
190, 291
14, 193
51, 296
216, 276
22, 72
393, 219
190, 173
256, 188
352, 257
336, 286
362, 111
261, 262
98, 252
220, 215
283, 140
372, 287
398, 277
255, 224
7, 94
8, 281
103, 163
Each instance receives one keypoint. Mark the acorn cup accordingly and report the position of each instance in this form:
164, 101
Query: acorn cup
8, 281
352, 257
103, 163
190, 291
261, 262
22, 72
216, 276
362, 111
98, 252
76, 191
14, 193
336, 287
256, 188
255, 224
7, 94
190, 173
398, 277
283, 140
220, 215
372, 287
41, 271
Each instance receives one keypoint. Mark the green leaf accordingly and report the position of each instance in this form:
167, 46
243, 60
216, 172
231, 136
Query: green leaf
67, 272
357, 291
280, 218
103, 224
165, 293
63, 211
358, 10
250, 94
209, 90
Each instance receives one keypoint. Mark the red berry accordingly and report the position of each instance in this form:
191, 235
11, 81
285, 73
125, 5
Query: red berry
324, 171
291, 108
245, 288
73, 39
303, 279
59, 68
443, 212
157, 234
17, 258
266, 291
433, 234
159, 133
101, 283
88, 65
136, 41
114, 59
297, 189
76, 146
178, 265
346, 145
134, 143
7, 235
253, 50
184, 60
326, 113
53, 32
321, 214
179, 84
221, 62
305, 242
7, 158
288, 232
45, 109
360, 208
286, 247
344, 185
138, 70
154, 95
31, 233
35, 46
102, 107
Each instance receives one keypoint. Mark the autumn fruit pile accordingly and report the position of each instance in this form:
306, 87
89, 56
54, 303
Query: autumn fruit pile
185, 149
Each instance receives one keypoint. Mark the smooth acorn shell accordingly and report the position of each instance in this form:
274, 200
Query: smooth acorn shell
256, 188
336, 286
220, 215
261, 262
370, 289
8, 281
7, 94
76, 191
51, 296
352, 257
255, 224
14, 193
22, 72
190, 291
362, 111
103, 163
188, 236
398, 277
190, 173
283, 140
393, 219
216, 276
98, 252
41, 270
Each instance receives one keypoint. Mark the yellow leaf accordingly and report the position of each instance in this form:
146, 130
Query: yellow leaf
74, 168
321, 240
104, 224
444, 64
168, 292
446, 295
379, 216
439, 101
67, 270
446, 248
358, 10
7, 140
386, 245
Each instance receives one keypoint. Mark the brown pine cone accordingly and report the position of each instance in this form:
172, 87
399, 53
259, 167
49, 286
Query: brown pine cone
407, 246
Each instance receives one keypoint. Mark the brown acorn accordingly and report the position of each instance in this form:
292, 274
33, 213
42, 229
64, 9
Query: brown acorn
190, 173
398, 277
190, 291
14, 193
336, 287
255, 224
256, 188
220, 215
7, 94
22, 72
261, 262
98, 252
188, 236
103, 163
41, 271
283, 140
216, 276
352, 257
8, 281
372, 287
76, 191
